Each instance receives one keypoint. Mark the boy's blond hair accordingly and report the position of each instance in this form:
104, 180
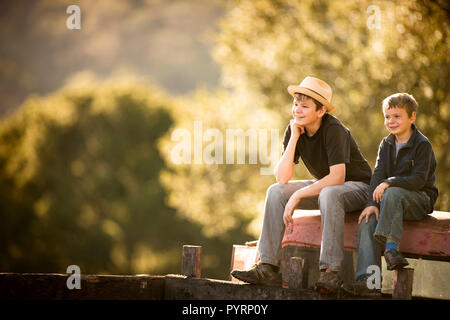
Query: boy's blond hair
401, 100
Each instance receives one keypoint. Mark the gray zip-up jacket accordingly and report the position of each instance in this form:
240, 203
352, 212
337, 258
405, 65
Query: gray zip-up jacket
413, 168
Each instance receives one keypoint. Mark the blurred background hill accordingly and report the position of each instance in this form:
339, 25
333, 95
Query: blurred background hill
88, 118
164, 41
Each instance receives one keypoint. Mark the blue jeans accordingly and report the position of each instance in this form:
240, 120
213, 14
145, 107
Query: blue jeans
333, 202
397, 204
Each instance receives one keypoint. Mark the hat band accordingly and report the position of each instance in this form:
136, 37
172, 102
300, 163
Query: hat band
317, 93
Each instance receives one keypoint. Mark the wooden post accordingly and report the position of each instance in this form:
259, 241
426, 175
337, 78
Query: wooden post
403, 284
191, 261
297, 275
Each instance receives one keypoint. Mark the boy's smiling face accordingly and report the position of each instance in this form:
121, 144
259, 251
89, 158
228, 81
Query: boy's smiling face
304, 111
398, 122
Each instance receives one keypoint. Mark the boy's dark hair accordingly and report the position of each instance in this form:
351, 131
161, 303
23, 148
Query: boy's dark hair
299, 96
401, 100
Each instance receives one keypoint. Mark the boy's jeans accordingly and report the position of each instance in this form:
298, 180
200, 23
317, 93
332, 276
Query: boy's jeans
333, 202
397, 204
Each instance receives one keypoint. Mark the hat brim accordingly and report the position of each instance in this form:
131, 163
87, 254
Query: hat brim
296, 89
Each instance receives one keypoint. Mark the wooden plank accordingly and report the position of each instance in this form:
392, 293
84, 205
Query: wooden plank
44, 286
431, 279
253, 243
191, 264
15, 286
403, 284
297, 270
233, 252
183, 288
311, 256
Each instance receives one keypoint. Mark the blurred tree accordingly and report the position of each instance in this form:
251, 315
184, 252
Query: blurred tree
222, 195
265, 45
80, 184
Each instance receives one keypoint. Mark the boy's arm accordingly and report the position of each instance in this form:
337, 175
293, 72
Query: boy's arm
420, 169
284, 170
338, 152
335, 177
379, 173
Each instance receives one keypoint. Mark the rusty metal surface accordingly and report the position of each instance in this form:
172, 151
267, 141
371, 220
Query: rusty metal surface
428, 238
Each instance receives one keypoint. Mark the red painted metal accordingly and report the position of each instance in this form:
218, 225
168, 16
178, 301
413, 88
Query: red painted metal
429, 237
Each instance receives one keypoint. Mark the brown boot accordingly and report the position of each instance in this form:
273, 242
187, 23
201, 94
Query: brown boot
394, 259
329, 282
359, 288
259, 273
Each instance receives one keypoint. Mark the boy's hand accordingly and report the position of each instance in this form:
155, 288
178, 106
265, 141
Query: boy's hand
294, 200
379, 191
296, 130
367, 212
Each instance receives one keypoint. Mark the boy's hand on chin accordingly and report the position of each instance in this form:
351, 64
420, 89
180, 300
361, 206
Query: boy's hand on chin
296, 130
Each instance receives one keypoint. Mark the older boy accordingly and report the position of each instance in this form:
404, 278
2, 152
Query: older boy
331, 155
401, 188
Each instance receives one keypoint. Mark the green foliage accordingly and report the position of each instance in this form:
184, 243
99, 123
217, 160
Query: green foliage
80, 184
222, 197
266, 45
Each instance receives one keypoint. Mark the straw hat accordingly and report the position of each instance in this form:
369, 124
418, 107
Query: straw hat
314, 88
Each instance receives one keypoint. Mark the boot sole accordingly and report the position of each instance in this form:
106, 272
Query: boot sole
259, 282
361, 294
397, 266
327, 289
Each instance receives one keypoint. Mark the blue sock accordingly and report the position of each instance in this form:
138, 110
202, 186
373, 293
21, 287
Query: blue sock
390, 245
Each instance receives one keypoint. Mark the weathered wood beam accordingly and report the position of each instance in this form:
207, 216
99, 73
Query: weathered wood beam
45, 286
191, 264
15, 286
403, 284
183, 288
297, 273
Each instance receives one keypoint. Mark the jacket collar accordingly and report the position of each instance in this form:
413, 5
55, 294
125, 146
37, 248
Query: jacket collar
391, 138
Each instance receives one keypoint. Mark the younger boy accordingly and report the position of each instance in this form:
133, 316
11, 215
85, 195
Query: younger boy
401, 188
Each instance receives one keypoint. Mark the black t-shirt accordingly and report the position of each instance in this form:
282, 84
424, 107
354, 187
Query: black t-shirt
331, 144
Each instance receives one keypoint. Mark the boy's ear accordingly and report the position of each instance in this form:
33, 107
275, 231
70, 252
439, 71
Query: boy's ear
322, 111
413, 117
